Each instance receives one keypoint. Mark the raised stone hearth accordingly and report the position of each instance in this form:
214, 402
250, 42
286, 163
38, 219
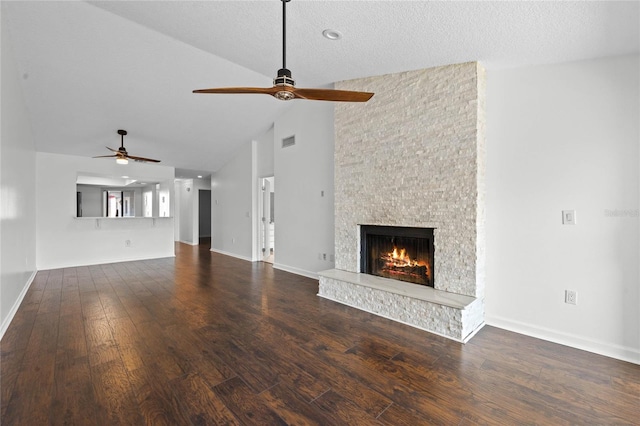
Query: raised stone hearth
413, 156
448, 314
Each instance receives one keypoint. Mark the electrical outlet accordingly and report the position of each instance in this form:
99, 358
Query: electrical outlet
127, 243
324, 256
571, 297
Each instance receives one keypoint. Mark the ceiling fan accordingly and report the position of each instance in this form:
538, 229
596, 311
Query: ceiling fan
122, 156
284, 86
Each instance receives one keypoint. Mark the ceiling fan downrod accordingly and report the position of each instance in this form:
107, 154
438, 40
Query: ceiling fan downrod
284, 33
122, 134
284, 75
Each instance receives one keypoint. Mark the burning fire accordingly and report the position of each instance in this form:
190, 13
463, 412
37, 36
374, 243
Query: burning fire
400, 258
400, 266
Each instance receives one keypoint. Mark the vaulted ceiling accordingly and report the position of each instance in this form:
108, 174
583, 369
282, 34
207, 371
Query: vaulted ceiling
90, 68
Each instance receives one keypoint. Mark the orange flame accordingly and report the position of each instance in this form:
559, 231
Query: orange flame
401, 258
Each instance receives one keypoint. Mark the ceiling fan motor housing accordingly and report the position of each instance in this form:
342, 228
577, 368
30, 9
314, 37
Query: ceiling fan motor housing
284, 78
285, 81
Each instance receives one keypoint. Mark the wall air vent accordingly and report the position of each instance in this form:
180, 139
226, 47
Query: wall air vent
290, 141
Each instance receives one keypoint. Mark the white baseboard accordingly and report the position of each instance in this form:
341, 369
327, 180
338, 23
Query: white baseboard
291, 269
602, 348
237, 256
102, 262
188, 243
297, 271
16, 305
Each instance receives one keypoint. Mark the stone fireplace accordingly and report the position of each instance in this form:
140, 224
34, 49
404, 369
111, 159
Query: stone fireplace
413, 158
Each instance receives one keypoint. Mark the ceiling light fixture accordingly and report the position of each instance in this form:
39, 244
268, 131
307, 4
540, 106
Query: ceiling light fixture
332, 34
199, 177
122, 160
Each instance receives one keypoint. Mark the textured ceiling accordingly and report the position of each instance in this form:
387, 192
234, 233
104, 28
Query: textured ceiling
89, 69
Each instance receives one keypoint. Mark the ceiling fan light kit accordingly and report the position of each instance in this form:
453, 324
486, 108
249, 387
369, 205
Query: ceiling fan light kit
284, 87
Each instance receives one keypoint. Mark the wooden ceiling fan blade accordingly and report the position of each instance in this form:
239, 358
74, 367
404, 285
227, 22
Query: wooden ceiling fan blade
106, 156
332, 95
111, 149
237, 90
142, 159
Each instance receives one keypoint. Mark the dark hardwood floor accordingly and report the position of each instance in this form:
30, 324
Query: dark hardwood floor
206, 339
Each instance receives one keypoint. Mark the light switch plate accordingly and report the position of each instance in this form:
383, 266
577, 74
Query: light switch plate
568, 217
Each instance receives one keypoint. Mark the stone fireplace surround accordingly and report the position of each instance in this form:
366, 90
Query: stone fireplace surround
414, 156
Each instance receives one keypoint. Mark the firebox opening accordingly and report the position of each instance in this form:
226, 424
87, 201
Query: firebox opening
399, 253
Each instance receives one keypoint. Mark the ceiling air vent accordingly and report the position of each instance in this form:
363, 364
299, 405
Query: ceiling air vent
291, 140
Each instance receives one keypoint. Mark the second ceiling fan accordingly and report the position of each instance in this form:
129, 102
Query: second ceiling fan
284, 86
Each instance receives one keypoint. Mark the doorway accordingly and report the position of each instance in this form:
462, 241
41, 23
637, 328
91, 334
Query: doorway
118, 204
204, 216
267, 231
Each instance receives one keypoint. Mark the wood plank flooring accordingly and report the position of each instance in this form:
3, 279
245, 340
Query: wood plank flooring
204, 339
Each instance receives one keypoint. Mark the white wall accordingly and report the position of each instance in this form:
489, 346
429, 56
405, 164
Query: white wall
232, 194
185, 196
303, 218
64, 240
17, 192
565, 137
264, 150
